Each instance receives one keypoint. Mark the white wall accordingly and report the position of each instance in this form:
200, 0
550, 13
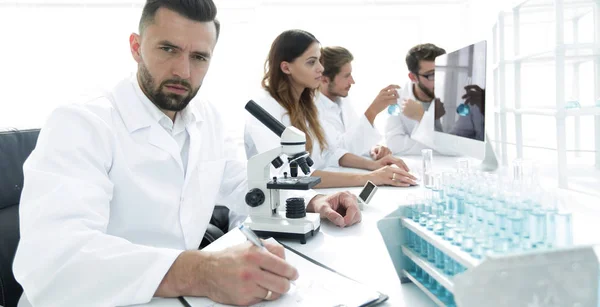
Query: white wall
58, 52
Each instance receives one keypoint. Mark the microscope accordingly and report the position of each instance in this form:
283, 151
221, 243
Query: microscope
263, 196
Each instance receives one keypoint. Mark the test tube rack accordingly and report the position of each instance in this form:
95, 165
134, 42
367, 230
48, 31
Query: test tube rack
562, 277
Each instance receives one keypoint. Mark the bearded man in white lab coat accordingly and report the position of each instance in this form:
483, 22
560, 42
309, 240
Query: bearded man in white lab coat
350, 133
119, 190
418, 95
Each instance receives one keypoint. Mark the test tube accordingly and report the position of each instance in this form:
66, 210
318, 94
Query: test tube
427, 167
563, 232
409, 238
449, 230
424, 248
416, 213
468, 240
515, 230
420, 274
431, 253
433, 286
448, 179
438, 226
448, 265
439, 259
537, 226
417, 243
518, 170
412, 267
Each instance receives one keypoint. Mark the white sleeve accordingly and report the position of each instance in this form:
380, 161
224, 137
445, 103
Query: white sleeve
361, 136
330, 157
398, 138
65, 256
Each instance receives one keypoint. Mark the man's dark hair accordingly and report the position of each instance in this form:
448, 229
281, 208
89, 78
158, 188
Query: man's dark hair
422, 52
197, 10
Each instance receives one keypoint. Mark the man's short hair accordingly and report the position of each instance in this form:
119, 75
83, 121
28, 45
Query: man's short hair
197, 10
333, 58
422, 52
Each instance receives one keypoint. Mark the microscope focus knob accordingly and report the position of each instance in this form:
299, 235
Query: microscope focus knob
277, 162
255, 197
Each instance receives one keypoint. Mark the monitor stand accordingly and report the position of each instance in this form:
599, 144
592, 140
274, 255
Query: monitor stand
490, 162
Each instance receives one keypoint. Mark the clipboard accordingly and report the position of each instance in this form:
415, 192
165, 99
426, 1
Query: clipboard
307, 289
382, 297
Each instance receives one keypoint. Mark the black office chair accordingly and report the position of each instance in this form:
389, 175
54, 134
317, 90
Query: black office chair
15, 147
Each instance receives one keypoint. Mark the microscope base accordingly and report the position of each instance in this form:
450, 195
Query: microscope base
278, 226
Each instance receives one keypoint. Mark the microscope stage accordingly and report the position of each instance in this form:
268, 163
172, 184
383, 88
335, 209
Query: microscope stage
294, 183
280, 227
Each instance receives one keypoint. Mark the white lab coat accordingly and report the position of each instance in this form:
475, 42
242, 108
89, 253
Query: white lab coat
406, 136
349, 131
258, 138
106, 207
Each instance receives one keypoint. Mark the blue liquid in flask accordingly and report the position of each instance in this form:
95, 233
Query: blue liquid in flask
394, 109
463, 109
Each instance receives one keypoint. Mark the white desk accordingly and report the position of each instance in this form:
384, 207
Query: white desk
360, 253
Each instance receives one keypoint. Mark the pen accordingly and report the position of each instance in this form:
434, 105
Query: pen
252, 237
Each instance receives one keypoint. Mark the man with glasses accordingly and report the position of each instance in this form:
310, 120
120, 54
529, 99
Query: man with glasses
417, 94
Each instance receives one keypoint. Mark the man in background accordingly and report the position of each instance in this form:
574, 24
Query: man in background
417, 95
351, 132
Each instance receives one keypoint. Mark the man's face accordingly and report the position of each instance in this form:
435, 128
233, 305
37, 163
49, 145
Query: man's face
173, 56
426, 70
342, 82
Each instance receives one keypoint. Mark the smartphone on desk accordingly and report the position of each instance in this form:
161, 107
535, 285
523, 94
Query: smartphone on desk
366, 194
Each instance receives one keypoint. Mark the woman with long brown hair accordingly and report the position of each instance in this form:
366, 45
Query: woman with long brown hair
292, 75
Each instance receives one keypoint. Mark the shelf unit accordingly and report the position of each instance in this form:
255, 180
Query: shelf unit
561, 54
515, 276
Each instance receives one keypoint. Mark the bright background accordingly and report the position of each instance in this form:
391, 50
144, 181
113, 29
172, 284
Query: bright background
54, 52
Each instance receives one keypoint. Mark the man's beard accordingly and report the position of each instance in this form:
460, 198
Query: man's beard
171, 101
333, 92
429, 93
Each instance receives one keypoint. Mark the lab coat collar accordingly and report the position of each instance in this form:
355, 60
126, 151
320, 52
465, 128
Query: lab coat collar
328, 103
141, 112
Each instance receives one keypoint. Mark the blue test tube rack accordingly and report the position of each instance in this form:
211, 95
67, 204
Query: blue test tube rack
566, 276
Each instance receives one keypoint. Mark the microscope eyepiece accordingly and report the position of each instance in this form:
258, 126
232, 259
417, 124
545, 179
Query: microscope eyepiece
264, 117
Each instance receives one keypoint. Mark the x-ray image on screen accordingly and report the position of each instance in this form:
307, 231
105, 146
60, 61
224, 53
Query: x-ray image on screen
460, 85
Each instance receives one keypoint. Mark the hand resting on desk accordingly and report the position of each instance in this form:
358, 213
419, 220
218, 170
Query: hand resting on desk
340, 208
392, 175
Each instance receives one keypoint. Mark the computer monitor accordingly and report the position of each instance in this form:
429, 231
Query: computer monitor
460, 84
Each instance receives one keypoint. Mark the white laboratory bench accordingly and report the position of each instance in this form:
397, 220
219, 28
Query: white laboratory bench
360, 253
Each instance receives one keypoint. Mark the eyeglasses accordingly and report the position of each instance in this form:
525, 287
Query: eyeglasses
429, 76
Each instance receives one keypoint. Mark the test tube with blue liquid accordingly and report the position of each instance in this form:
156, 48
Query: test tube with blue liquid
448, 265
537, 227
